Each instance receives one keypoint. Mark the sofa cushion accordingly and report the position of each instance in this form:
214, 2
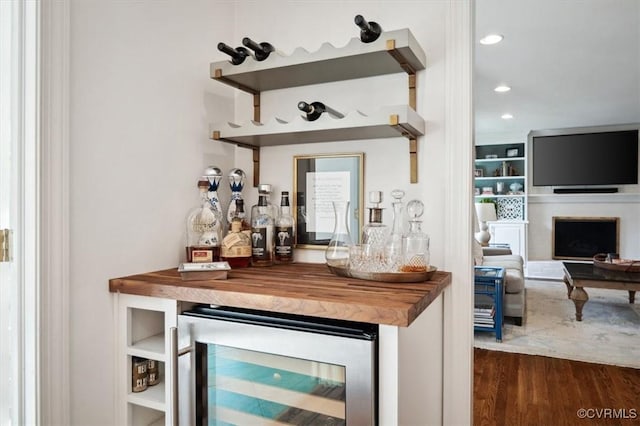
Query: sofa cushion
514, 276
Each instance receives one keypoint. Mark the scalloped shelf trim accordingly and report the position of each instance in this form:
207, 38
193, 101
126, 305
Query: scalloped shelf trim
329, 63
388, 121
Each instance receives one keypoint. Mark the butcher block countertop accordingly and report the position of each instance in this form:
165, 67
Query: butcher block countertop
298, 288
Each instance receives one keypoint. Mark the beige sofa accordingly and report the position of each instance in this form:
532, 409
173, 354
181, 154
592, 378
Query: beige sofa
513, 303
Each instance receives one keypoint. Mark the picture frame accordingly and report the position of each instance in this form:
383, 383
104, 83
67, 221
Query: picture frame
478, 173
512, 152
317, 181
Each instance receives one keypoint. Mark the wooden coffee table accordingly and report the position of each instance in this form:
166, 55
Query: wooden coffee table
577, 276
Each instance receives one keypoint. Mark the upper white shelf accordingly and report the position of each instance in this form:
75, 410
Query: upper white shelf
393, 52
387, 122
501, 159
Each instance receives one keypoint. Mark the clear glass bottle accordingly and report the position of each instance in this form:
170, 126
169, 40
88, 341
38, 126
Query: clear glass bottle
203, 229
240, 214
236, 246
337, 252
213, 175
236, 183
285, 225
416, 242
393, 246
262, 230
374, 233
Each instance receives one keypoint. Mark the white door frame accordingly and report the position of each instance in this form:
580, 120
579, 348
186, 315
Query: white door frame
54, 239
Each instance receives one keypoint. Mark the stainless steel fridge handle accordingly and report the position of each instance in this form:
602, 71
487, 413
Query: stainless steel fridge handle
173, 361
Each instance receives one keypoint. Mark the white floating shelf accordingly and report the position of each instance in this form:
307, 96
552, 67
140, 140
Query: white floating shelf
390, 121
498, 160
393, 52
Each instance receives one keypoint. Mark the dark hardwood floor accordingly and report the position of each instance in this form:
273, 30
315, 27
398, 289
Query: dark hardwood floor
517, 389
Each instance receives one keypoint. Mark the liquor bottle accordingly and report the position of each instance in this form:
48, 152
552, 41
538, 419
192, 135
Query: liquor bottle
285, 225
236, 183
240, 214
203, 229
213, 175
416, 242
315, 109
369, 31
262, 227
374, 233
261, 50
236, 246
238, 55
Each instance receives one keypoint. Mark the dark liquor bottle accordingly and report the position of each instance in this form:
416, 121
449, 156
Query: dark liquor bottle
261, 50
284, 231
369, 31
238, 55
262, 227
315, 109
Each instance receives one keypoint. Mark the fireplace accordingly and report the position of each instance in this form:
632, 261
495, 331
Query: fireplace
580, 238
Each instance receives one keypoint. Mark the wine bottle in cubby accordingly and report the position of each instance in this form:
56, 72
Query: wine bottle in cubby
314, 110
369, 31
238, 54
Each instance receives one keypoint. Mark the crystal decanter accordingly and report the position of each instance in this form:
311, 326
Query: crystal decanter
393, 246
416, 242
374, 233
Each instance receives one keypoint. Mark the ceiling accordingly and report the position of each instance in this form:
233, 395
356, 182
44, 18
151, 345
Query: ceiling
569, 63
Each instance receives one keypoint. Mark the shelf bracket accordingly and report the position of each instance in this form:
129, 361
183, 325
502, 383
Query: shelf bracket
256, 166
217, 75
412, 91
402, 61
413, 160
394, 121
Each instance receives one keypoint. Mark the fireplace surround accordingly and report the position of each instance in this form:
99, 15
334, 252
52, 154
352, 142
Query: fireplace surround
580, 238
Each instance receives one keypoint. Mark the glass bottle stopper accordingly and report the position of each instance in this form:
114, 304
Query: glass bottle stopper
236, 179
415, 210
375, 212
213, 175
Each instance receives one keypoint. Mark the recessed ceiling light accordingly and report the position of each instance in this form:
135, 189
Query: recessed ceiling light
502, 88
506, 116
491, 39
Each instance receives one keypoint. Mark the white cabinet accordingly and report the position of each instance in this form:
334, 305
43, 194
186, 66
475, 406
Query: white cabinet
513, 233
144, 327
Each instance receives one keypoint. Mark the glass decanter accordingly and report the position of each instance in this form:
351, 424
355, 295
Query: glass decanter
236, 183
393, 246
213, 175
337, 252
416, 242
374, 234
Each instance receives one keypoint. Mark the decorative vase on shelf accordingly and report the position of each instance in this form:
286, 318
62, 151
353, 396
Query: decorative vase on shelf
337, 252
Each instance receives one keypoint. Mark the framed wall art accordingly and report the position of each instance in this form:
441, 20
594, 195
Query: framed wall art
319, 180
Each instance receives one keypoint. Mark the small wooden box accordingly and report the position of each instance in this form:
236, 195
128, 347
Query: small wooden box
204, 271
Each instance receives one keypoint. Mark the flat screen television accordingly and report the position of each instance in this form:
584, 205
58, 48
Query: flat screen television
598, 158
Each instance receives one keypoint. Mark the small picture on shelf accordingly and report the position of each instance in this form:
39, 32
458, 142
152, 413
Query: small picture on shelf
478, 172
512, 152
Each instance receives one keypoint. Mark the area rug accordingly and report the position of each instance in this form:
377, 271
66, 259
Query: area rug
608, 334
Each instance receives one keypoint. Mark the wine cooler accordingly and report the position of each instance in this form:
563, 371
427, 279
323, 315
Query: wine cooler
263, 368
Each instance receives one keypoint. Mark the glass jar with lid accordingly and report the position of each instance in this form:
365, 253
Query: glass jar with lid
415, 242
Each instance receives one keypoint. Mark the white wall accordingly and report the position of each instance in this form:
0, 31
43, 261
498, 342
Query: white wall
140, 104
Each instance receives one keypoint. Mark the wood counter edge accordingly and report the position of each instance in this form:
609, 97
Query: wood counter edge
401, 316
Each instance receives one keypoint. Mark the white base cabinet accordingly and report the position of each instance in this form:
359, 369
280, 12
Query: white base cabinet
143, 330
513, 233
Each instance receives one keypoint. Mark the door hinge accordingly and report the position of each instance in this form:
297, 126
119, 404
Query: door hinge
5, 245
